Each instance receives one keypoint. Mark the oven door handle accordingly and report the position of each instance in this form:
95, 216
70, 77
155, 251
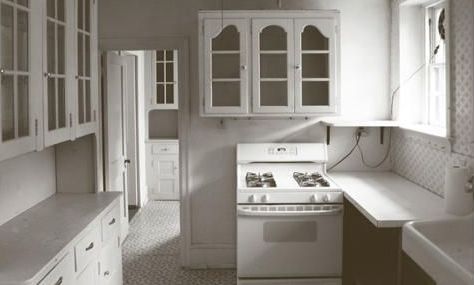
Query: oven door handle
252, 213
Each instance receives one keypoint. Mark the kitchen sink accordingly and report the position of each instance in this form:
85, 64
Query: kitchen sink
443, 248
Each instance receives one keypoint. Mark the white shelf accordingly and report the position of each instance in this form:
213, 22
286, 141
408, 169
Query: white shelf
354, 123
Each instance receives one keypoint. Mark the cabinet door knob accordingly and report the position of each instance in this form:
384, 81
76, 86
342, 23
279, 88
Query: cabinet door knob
107, 273
47, 74
243, 67
298, 67
112, 222
91, 246
2, 71
60, 281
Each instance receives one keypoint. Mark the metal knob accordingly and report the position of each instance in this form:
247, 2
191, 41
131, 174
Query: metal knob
243, 67
253, 199
314, 198
2, 71
297, 67
325, 198
47, 74
265, 198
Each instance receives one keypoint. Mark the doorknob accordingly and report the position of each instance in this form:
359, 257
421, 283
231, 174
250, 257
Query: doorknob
127, 161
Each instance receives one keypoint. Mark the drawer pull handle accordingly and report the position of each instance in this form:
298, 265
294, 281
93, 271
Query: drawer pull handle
107, 273
112, 222
60, 281
91, 246
164, 149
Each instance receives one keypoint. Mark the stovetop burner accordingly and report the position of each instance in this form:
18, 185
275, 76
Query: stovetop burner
264, 180
310, 179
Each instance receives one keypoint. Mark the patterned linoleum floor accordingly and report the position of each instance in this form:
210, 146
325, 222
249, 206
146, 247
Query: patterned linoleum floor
151, 251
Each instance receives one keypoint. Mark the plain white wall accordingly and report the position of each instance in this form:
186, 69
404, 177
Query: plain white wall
25, 181
365, 54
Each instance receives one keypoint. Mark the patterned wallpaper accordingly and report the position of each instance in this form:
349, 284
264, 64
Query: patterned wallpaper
419, 158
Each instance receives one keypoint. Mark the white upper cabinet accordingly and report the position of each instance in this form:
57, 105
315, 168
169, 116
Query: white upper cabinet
292, 56
315, 61
164, 74
86, 67
20, 73
226, 66
48, 70
273, 65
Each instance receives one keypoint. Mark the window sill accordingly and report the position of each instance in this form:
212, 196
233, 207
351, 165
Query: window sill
436, 135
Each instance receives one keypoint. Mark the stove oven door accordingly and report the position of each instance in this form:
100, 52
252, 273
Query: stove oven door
288, 241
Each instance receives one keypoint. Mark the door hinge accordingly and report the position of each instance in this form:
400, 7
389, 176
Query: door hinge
36, 127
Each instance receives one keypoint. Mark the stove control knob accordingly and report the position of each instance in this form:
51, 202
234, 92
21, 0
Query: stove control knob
314, 198
265, 199
325, 198
253, 199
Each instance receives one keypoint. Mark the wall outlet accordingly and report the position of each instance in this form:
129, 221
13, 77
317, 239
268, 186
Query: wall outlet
362, 132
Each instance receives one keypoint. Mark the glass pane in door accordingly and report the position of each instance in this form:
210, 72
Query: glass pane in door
51, 8
226, 66
87, 15
160, 72
80, 54
80, 14
160, 93
312, 39
80, 100
227, 40
61, 50
51, 103
61, 8
8, 108
169, 72
315, 65
7, 37
273, 93
88, 104
51, 46
315, 93
61, 103
87, 55
273, 38
273, 66
226, 94
23, 2
169, 93
23, 107
22, 40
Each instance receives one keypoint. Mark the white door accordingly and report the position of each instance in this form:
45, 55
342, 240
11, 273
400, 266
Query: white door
315, 59
273, 65
115, 130
226, 71
164, 174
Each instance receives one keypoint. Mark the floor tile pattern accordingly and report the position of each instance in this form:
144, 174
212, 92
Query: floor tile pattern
151, 251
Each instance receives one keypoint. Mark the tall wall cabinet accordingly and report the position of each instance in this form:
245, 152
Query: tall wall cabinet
283, 63
48, 67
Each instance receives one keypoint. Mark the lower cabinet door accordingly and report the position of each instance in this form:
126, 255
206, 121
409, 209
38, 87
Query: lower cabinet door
62, 274
90, 275
111, 265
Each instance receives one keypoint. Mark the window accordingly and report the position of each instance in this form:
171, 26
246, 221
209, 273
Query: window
424, 66
436, 63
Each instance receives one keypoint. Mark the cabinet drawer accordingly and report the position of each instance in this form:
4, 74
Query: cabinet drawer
165, 148
110, 264
87, 249
110, 225
62, 274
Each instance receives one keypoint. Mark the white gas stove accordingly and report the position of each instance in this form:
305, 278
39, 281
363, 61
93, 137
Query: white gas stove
289, 216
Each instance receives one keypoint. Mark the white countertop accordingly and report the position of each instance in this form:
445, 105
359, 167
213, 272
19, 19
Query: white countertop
32, 239
387, 199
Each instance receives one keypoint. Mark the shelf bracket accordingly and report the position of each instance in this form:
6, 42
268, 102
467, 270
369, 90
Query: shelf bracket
328, 135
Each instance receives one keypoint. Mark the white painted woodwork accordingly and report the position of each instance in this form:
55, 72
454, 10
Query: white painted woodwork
259, 26
20, 117
115, 117
48, 241
40, 121
212, 29
163, 170
152, 63
279, 87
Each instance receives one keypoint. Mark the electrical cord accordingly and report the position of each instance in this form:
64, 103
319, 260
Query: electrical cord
389, 146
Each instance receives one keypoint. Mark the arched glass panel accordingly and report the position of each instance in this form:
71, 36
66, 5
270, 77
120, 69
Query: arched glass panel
313, 39
228, 39
273, 38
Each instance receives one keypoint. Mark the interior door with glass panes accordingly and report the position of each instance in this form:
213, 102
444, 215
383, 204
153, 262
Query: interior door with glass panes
273, 65
165, 72
315, 60
20, 76
226, 71
57, 47
87, 88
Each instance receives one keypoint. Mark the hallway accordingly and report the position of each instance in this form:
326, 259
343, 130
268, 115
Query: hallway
151, 251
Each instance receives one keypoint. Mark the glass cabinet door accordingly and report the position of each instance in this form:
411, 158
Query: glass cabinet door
165, 66
16, 122
57, 121
85, 109
273, 65
226, 66
315, 60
